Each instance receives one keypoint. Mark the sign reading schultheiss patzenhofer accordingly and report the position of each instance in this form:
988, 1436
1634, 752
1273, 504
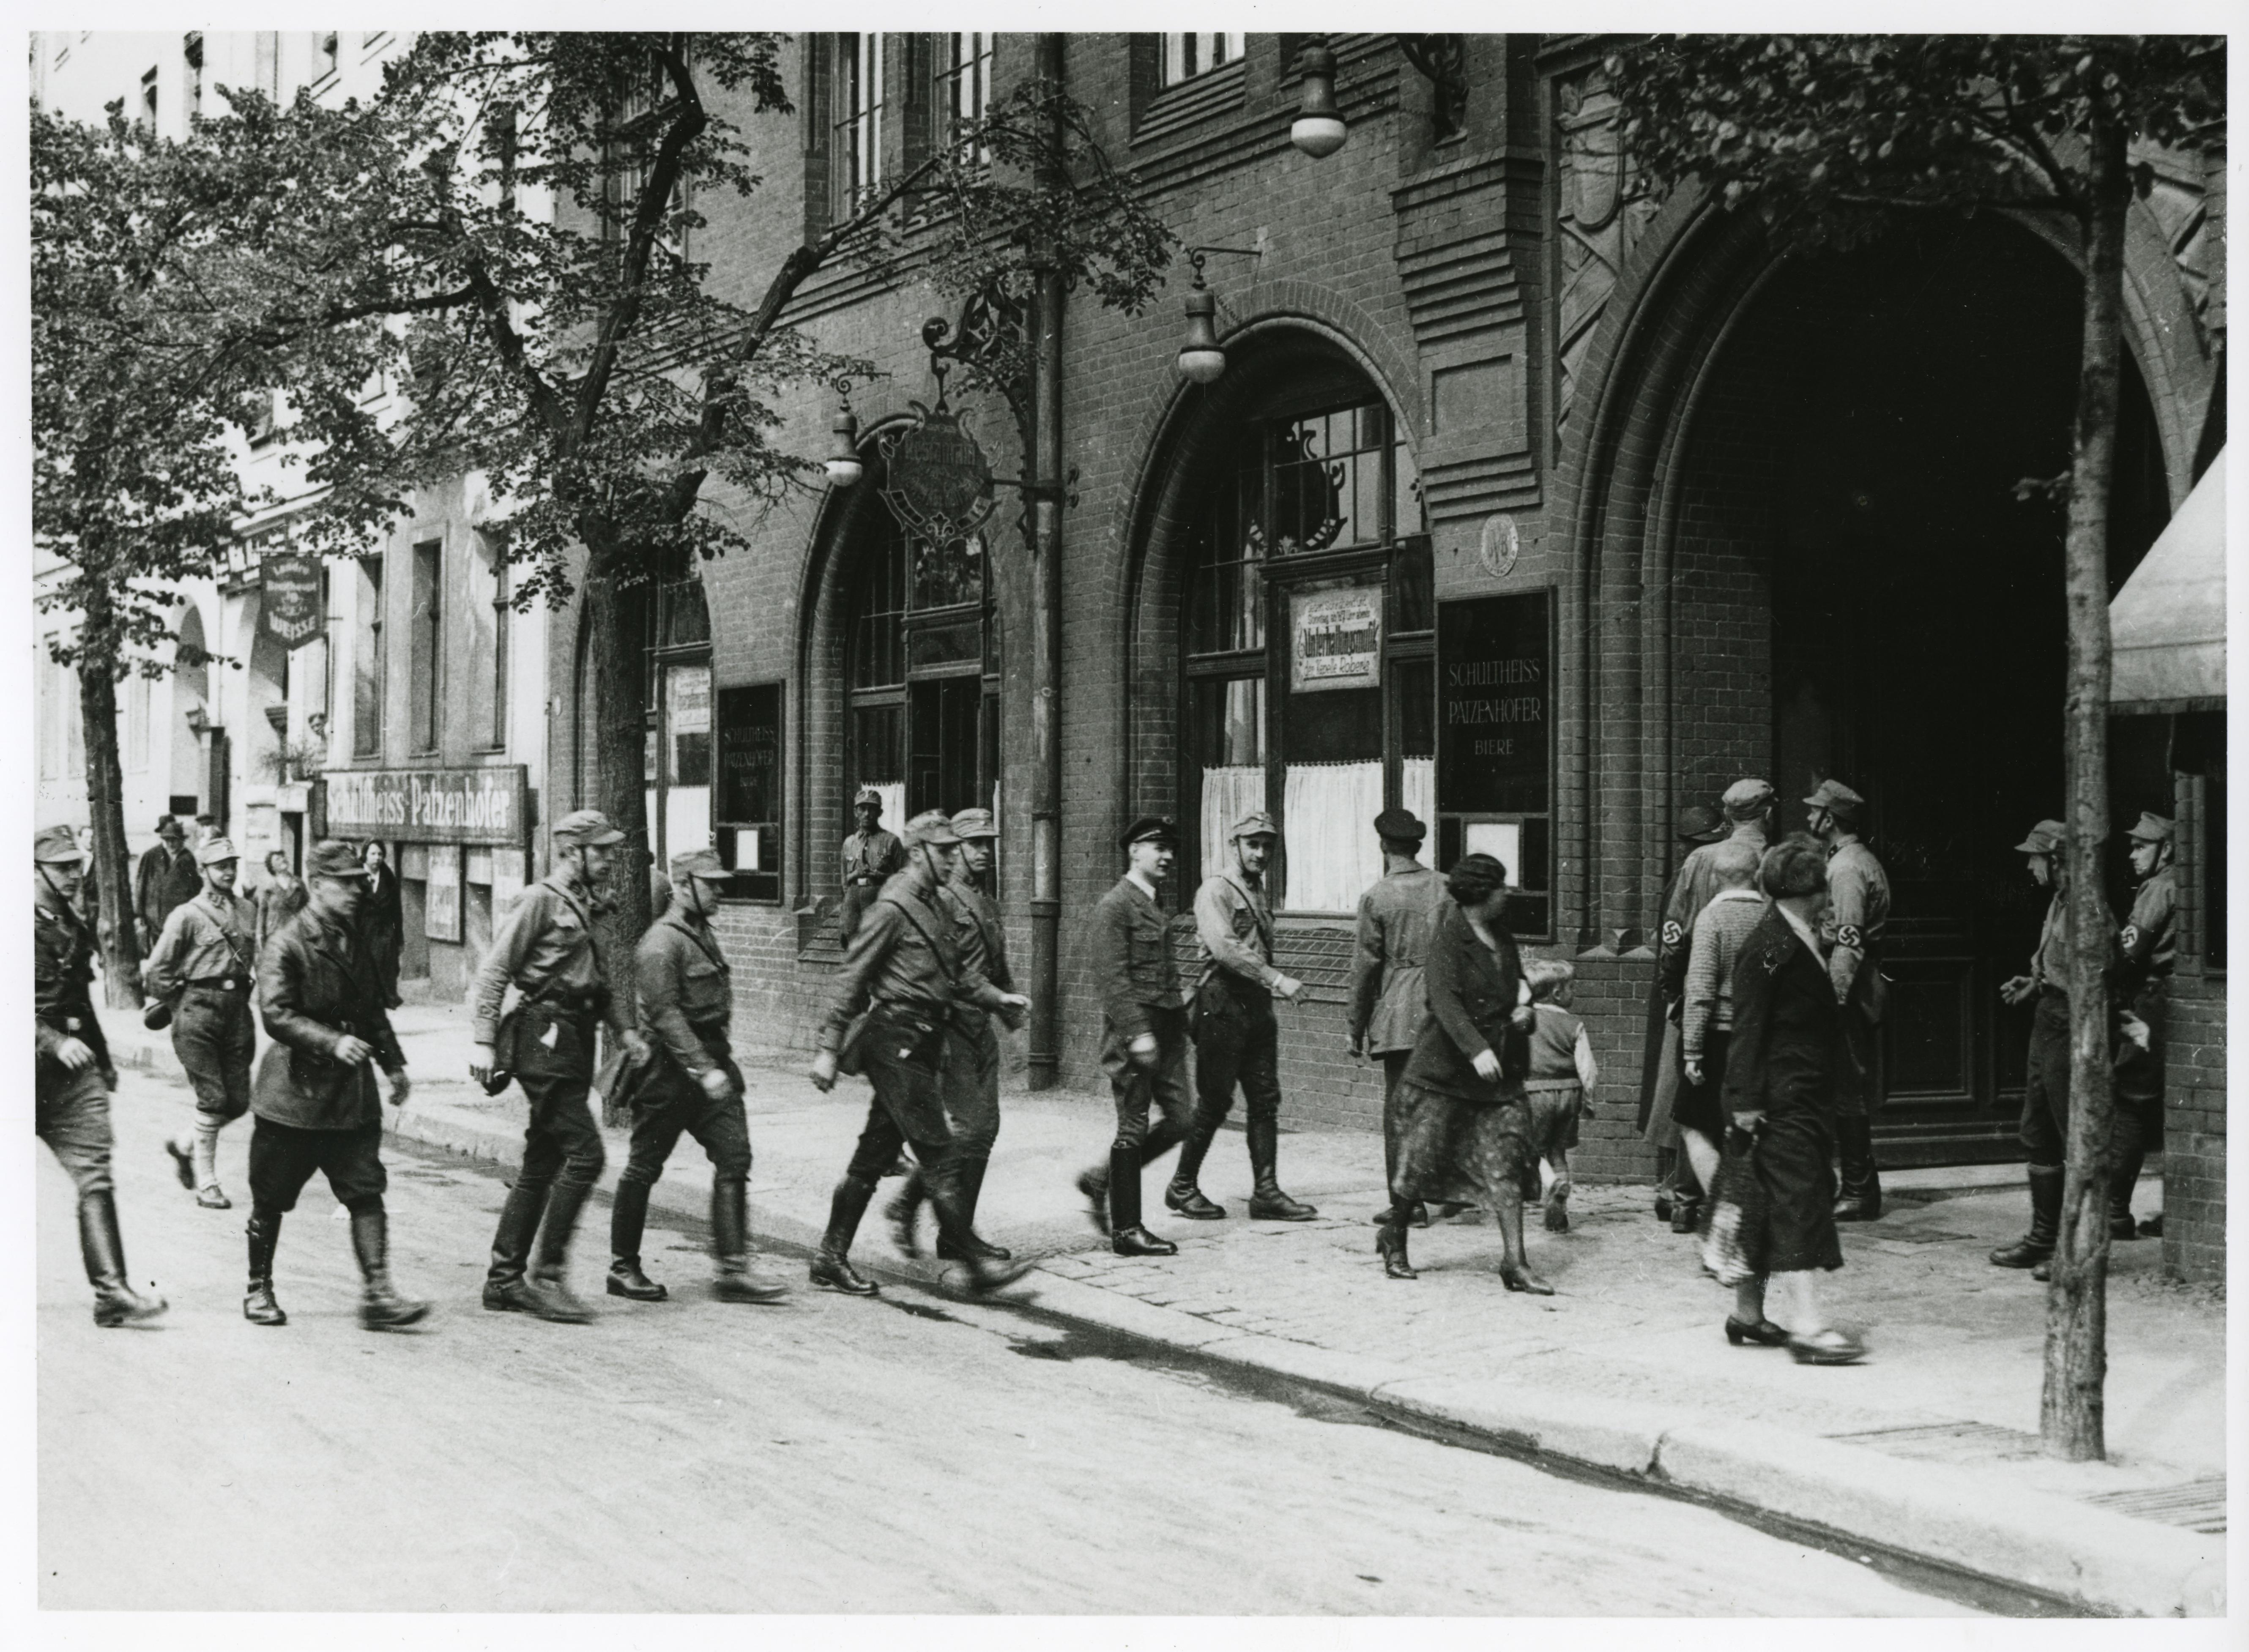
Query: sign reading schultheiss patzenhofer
485, 805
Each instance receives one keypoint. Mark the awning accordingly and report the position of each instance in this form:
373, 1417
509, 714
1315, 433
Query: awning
2167, 626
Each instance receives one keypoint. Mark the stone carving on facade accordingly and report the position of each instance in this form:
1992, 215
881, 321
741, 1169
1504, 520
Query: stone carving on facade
1600, 208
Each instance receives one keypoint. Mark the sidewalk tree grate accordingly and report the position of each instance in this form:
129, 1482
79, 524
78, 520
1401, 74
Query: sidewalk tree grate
2199, 1506
1948, 1442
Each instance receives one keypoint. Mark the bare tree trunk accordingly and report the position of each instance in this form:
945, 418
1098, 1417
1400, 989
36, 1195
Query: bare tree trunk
614, 612
105, 793
2070, 1417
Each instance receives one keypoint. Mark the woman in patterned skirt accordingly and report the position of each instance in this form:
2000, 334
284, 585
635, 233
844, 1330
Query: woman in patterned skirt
1464, 1126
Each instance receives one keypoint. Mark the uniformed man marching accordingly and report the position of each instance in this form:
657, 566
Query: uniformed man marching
902, 984
1143, 1036
1858, 916
970, 1069
203, 970
1237, 1038
2146, 951
2046, 1086
1389, 999
74, 1075
321, 997
545, 950
871, 856
691, 1085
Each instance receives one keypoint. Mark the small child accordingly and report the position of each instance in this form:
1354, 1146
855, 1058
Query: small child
1560, 1083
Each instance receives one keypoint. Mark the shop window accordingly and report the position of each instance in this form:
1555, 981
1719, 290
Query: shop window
367, 672
923, 670
425, 691
1187, 56
1308, 623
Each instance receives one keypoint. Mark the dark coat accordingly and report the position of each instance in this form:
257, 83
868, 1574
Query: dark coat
1786, 1024
316, 982
1472, 995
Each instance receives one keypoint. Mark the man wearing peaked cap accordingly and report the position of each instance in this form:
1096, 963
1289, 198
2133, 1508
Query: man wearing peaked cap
691, 1087
969, 1067
2044, 1126
1143, 1036
2147, 951
544, 949
73, 1074
1858, 917
202, 973
871, 857
904, 983
1389, 998
1237, 1037
328, 1029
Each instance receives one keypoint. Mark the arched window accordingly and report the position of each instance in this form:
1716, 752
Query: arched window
1307, 649
921, 669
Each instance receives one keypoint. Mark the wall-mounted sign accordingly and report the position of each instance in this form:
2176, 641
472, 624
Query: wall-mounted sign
427, 805
1335, 639
441, 895
289, 599
1495, 704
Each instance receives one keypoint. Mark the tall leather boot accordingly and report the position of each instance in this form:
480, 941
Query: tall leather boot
1861, 1191
510, 1251
115, 1303
264, 1232
1126, 1236
941, 1171
628, 1221
972, 1191
738, 1280
2036, 1245
2127, 1151
1267, 1202
381, 1307
1182, 1196
831, 1269
547, 1287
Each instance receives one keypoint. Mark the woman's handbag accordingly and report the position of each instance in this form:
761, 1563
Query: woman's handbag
1734, 1244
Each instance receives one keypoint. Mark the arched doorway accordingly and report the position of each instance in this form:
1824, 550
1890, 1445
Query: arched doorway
1285, 645
1847, 583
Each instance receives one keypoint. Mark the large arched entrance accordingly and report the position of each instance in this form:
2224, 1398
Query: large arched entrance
1846, 582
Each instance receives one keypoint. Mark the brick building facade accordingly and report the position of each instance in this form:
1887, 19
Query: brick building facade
1732, 515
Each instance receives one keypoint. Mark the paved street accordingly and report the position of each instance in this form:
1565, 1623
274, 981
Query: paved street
831, 1456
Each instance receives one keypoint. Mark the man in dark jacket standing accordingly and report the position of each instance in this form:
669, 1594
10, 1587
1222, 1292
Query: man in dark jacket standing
315, 1101
74, 1075
383, 916
1143, 1036
905, 974
691, 1084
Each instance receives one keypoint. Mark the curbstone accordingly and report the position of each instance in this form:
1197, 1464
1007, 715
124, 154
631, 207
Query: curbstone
2077, 1552
1615, 1434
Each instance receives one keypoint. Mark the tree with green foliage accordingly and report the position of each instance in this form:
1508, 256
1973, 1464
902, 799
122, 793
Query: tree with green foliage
1829, 138
526, 208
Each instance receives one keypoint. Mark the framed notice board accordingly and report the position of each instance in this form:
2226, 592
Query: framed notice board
747, 813
1496, 742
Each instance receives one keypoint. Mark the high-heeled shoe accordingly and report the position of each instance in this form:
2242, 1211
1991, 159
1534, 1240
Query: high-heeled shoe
1523, 1279
1763, 1334
1829, 1347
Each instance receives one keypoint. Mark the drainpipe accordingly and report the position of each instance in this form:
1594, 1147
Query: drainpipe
1046, 633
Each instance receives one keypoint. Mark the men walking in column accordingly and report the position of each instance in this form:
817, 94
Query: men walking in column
691, 1085
2147, 949
203, 968
545, 950
1237, 1038
1858, 915
2046, 1087
1389, 1000
74, 1075
969, 1071
1144, 1036
901, 983
320, 996
871, 856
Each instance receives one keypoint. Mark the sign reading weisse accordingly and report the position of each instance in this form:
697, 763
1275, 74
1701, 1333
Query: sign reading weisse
428, 805
1335, 639
1494, 704
289, 599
